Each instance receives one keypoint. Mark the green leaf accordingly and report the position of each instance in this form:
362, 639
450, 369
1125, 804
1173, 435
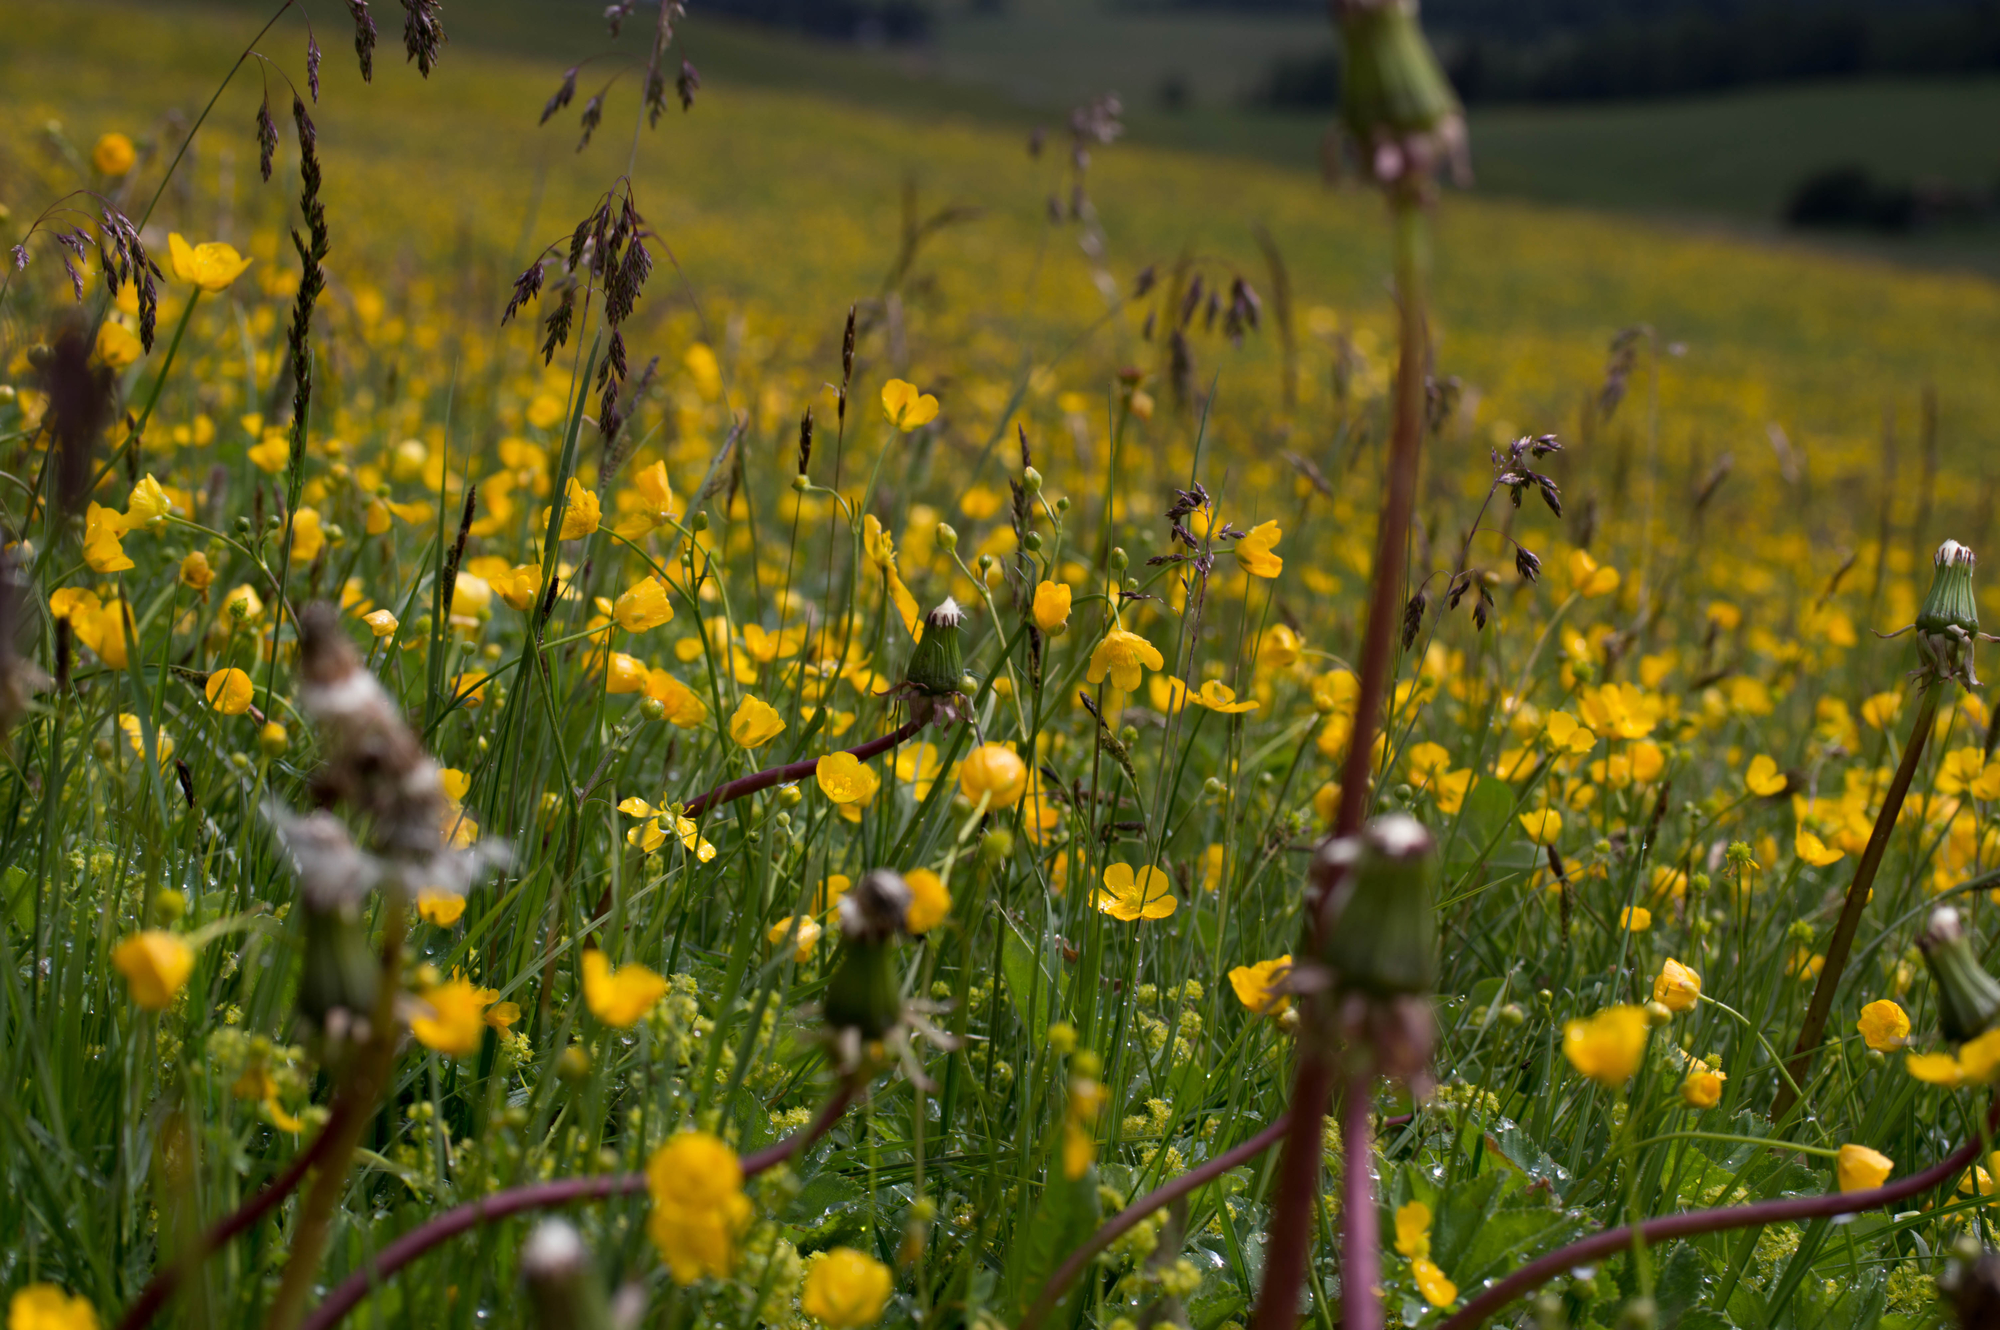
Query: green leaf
1028, 983
1064, 1218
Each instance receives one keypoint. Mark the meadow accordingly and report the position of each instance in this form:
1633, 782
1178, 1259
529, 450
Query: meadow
829, 805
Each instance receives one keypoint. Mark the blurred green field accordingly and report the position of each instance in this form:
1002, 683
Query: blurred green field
1530, 294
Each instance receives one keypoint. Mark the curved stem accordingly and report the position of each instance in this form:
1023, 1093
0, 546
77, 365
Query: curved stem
163, 1283
769, 776
539, 1196
1538, 1272
1165, 1195
1842, 941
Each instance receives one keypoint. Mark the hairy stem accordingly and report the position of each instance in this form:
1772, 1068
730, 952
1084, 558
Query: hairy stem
1788, 1210
1298, 1182
1157, 1199
540, 1196
1837, 947
769, 776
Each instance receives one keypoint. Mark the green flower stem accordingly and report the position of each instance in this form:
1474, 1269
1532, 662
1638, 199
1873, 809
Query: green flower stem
1837, 947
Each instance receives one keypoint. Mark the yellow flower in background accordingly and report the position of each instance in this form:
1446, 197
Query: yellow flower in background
212, 266
1218, 696
1257, 985
518, 586
619, 997
846, 1289
195, 573
1051, 609
808, 935
930, 901
1212, 860
113, 154
147, 502
102, 529
1883, 1026
755, 723
656, 493
1608, 1046
1587, 578
443, 908
1431, 1282
1635, 919
1763, 778
242, 604
308, 537
1544, 826
1086, 1100
1703, 1086
1677, 987
699, 1209
1413, 1230
382, 623
1815, 851
994, 772
1862, 1169
626, 674
1567, 735
1279, 648
644, 605
1131, 896
906, 407
453, 1018
229, 691
1254, 551
1977, 1063
580, 513
846, 779
46, 1307
1121, 655
155, 964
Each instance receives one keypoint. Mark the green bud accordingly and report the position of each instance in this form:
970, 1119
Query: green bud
1032, 542
653, 709
562, 1279
573, 1064
169, 905
1031, 480
1949, 604
865, 992
699, 521
1968, 997
995, 846
1384, 942
947, 537
1119, 558
936, 663
800, 484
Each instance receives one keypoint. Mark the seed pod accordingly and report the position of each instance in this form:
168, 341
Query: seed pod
1950, 603
863, 995
1395, 98
1968, 997
1384, 942
341, 972
562, 1279
936, 663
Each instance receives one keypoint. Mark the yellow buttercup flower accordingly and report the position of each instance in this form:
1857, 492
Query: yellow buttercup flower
906, 407
443, 908
1257, 986
1131, 896
156, 964
1763, 778
1607, 1047
1544, 826
1588, 578
102, 529
644, 605
1051, 609
113, 154
755, 723
229, 691
1703, 1087
1568, 735
1884, 1026
1814, 851
847, 780
211, 266
994, 772
44, 1306
1431, 1282
581, 513
684, 709
195, 573
1121, 655
808, 936
619, 997
846, 1289
1862, 1169
1218, 696
453, 1018
1677, 987
381, 623
699, 1209
148, 502
1254, 551
930, 901
1635, 919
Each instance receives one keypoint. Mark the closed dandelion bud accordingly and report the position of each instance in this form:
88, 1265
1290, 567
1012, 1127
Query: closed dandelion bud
1968, 997
936, 663
1384, 942
864, 993
1395, 98
1949, 604
341, 970
562, 1279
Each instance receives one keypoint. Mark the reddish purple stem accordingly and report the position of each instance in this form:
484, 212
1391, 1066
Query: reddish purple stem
1361, 1237
791, 771
1538, 1272
538, 1196
1165, 1195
